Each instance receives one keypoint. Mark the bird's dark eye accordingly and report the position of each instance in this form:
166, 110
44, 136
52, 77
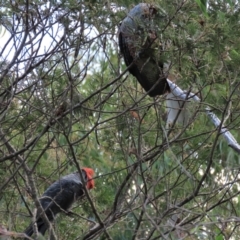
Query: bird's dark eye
153, 11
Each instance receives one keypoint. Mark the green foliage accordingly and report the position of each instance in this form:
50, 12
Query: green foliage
203, 5
64, 104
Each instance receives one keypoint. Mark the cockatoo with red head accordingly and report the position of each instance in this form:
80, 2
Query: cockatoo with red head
60, 196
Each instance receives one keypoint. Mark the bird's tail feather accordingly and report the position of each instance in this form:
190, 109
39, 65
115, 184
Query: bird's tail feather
29, 230
41, 226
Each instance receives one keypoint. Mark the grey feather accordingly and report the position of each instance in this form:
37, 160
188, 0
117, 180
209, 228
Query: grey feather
140, 46
59, 197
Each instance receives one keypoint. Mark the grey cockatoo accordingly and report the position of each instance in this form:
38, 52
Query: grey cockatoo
141, 48
60, 196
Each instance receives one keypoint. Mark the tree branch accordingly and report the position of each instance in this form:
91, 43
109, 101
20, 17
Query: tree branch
176, 91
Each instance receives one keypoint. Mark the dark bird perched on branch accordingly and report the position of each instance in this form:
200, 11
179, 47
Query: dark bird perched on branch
60, 196
140, 46
142, 51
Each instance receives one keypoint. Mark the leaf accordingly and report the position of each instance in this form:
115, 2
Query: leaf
220, 237
203, 6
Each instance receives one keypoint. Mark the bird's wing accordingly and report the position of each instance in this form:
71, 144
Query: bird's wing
128, 59
124, 49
